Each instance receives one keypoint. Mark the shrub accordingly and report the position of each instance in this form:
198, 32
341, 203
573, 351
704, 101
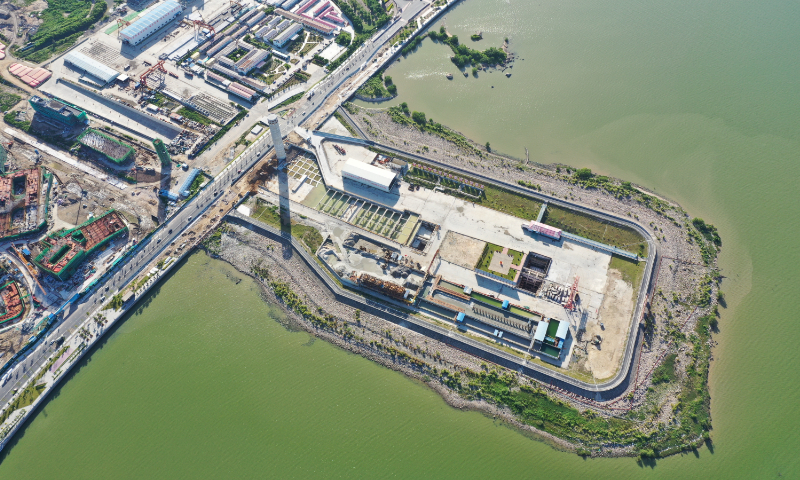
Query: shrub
418, 117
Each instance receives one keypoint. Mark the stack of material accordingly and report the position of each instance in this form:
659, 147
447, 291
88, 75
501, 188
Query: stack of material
31, 76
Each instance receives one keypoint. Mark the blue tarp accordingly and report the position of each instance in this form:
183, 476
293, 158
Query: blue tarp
505, 304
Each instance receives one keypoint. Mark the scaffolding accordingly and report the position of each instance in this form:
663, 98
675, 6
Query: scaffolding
162, 152
101, 143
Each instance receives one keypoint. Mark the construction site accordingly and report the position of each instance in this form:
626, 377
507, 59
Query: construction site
60, 253
514, 282
114, 150
24, 198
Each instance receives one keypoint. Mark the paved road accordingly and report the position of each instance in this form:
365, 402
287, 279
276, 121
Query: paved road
124, 273
129, 270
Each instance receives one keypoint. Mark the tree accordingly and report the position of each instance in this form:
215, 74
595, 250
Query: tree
488, 147
404, 108
392, 89
343, 39
583, 174
419, 117
387, 80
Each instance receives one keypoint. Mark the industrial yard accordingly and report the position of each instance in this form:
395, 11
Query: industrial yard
511, 281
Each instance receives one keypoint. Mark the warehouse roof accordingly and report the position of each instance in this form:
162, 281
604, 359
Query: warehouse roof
91, 66
366, 171
541, 331
148, 19
563, 328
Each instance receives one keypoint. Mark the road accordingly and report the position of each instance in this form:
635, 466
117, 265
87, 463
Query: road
148, 251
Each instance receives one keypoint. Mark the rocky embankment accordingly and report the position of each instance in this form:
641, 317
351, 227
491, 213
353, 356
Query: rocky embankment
269, 262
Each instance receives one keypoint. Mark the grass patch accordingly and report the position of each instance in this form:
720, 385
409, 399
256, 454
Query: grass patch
195, 116
11, 119
486, 259
63, 21
8, 100
666, 371
511, 203
289, 101
24, 399
222, 131
595, 229
631, 271
345, 124
270, 214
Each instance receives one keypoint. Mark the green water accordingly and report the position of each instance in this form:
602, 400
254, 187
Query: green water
698, 100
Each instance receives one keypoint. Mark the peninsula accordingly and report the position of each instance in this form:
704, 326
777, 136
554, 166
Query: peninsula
574, 306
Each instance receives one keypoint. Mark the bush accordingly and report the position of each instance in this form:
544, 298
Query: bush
583, 174
392, 89
387, 80
419, 118
343, 39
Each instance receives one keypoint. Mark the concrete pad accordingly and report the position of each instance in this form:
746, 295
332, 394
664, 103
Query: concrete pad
501, 263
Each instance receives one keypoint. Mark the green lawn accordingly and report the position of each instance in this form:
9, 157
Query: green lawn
595, 229
195, 116
631, 271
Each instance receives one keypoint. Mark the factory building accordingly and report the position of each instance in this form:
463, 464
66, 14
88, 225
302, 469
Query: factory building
58, 111
286, 35
369, 175
89, 66
151, 22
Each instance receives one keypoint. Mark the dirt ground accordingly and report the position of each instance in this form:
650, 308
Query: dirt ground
615, 314
461, 250
10, 343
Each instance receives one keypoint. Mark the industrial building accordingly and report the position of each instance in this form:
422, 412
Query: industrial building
285, 36
89, 66
324, 28
151, 22
370, 175
61, 112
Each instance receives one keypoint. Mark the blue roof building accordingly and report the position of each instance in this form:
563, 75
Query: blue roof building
151, 22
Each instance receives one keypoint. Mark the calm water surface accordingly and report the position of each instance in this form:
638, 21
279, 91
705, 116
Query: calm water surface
698, 100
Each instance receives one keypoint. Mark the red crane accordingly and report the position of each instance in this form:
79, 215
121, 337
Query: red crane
572, 292
121, 22
158, 67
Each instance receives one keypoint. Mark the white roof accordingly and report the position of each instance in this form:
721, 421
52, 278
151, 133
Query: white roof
374, 174
541, 331
155, 15
563, 328
91, 66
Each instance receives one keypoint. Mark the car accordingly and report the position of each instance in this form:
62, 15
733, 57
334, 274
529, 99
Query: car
189, 219
170, 230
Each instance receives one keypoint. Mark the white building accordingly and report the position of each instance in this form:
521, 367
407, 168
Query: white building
287, 35
367, 174
151, 22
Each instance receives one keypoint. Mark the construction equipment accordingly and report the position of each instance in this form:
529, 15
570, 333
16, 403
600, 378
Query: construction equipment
155, 74
34, 273
121, 23
570, 305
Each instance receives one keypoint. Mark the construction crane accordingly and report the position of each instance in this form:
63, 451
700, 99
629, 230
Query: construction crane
34, 273
570, 305
121, 23
155, 69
